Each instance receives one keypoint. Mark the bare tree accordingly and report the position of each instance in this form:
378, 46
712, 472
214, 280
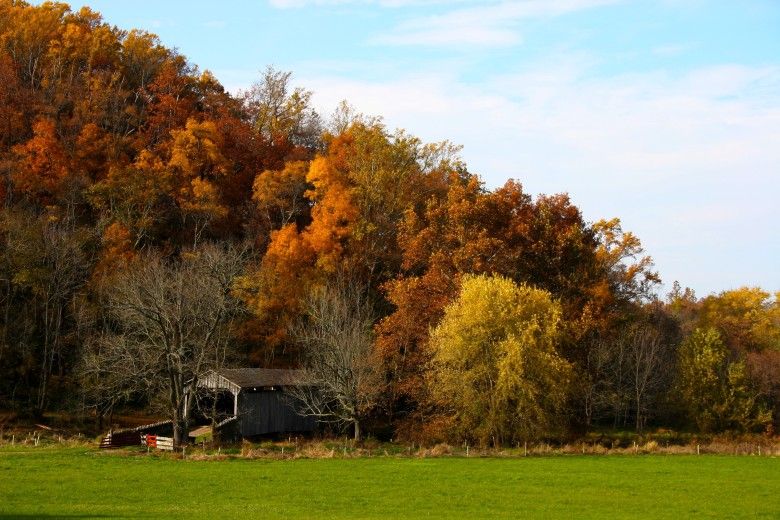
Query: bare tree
336, 336
648, 355
169, 322
596, 388
45, 265
633, 371
627, 373
276, 109
103, 374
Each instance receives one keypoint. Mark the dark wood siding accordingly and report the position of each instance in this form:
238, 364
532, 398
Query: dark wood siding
268, 411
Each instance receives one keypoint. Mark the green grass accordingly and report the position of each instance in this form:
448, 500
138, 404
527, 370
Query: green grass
83, 483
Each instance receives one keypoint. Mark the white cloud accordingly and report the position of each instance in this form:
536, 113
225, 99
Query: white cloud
494, 24
685, 160
296, 4
484, 23
654, 125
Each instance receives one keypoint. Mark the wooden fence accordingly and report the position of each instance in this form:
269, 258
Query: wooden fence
161, 443
134, 438
120, 440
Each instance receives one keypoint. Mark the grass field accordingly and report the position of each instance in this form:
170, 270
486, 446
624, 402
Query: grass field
84, 483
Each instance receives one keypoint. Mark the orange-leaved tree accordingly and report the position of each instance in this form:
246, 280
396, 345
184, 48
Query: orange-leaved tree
355, 196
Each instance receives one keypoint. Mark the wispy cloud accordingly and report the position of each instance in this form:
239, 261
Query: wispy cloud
295, 4
689, 155
494, 24
488, 23
651, 125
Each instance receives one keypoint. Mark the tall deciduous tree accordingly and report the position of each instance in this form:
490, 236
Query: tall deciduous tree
282, 114
716, 390
495, 370
628, 373
358, 192
451, 235
337, 340
196, 162
748, 318
48, 265
280, 195
42, 164
169, 324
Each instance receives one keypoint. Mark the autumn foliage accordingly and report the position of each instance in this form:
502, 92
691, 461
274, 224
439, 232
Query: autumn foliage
113, 147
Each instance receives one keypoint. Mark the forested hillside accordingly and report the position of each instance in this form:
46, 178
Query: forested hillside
154, 226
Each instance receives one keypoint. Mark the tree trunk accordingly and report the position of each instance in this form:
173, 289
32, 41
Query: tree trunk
44, 379
357, 430
180, 429
588, 409
214, 420
639, 418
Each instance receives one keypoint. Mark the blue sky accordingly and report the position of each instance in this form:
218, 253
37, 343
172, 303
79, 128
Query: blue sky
664, 113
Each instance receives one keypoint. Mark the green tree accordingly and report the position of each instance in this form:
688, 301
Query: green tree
715, 390
495, 369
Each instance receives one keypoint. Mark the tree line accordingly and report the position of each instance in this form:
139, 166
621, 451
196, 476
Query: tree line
154, 226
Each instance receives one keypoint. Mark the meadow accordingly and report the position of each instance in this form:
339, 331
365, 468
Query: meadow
81, 482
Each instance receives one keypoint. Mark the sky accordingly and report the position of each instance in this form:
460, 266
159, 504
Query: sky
663, 113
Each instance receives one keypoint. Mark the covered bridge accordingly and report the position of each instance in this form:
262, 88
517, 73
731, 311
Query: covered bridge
258, 399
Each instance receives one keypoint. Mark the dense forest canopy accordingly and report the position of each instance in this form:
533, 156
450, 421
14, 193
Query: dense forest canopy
154, 226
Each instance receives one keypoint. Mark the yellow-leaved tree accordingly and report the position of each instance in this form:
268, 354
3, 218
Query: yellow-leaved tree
747, 318
495, 373
716, 391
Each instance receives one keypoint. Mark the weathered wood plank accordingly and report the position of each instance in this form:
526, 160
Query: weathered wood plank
165, 443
